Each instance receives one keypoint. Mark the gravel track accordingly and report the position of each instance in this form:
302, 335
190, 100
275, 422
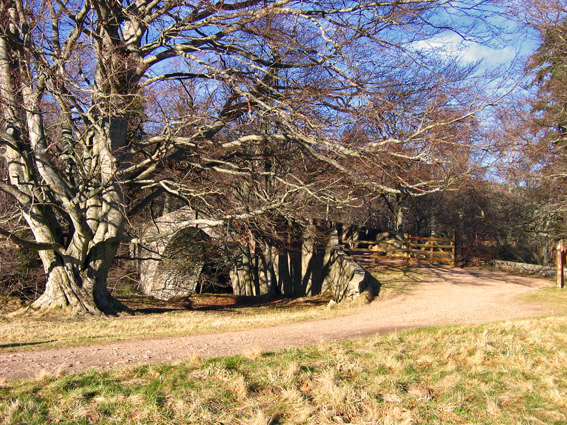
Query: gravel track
447, 297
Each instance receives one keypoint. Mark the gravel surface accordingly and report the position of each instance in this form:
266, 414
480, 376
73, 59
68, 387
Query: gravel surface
448, 297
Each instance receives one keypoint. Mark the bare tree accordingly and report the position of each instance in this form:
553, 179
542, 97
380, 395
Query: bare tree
243, 110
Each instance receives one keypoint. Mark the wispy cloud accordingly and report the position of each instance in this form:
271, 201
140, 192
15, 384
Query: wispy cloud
452, 45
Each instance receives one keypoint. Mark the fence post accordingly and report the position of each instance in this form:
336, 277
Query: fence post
455, 260
560, 264
407, 244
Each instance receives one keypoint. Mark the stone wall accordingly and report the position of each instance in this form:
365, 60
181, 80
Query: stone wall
534, 269
296, 270
312, 262
345, 278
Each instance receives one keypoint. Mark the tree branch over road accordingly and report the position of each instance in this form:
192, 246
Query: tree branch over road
257, 111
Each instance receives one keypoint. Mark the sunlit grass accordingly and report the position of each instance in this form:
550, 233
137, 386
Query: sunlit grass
399, 281
507, 373
554, 298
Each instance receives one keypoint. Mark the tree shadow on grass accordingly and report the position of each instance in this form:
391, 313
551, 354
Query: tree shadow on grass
395, 281
219, 303
25, 344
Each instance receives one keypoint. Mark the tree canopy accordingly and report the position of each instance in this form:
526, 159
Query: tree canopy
254, 112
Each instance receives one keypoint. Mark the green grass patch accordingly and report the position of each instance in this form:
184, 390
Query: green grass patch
506, 373
555, 299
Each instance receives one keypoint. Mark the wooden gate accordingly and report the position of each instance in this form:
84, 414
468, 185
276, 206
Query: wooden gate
416, 251
411, 251
474, 249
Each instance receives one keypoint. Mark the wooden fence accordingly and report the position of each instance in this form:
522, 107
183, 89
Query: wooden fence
422, 251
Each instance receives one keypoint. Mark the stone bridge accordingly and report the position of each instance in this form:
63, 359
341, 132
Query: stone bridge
172, 259
177, 252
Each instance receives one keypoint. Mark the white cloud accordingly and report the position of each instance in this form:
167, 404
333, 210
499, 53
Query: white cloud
451, 44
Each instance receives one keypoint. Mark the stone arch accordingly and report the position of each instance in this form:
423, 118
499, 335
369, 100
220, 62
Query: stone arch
172, 259
176, 251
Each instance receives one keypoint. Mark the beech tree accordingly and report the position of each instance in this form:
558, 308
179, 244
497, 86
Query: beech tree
243, 110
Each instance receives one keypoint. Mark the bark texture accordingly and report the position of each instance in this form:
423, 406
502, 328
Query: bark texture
71, 204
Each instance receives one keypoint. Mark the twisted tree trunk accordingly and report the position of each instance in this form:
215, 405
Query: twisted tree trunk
78, 290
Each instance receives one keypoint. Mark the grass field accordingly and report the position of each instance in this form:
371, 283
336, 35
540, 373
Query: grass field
507, 373
554, 298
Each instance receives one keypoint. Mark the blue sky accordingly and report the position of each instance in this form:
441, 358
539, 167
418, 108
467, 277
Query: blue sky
468, 51
489, 35
452, 44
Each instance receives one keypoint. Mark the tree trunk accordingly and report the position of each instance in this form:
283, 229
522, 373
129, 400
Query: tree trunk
78, 290
399, 217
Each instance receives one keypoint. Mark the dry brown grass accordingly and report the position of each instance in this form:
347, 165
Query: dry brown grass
506, 373
555, 299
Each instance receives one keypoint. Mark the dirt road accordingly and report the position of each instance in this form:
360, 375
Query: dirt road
448, 297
